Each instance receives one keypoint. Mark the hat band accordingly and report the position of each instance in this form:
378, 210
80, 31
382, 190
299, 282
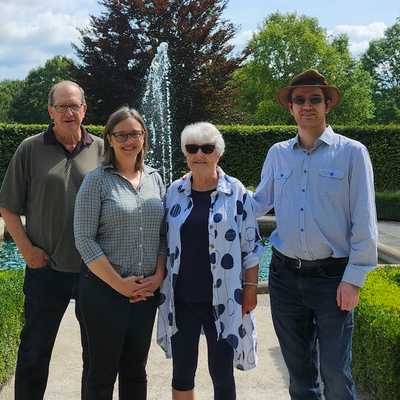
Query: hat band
311, 82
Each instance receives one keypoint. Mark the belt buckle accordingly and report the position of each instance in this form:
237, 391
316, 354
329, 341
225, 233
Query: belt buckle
298, 266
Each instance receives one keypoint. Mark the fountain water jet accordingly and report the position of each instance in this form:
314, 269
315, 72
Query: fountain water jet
156, 111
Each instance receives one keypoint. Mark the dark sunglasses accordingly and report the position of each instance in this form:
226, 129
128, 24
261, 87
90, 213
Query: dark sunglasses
300, 100
205, 148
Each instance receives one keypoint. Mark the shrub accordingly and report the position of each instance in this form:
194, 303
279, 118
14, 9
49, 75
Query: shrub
376, 340
11, 319
247, 146
388, 205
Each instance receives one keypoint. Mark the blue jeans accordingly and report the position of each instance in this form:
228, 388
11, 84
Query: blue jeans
304, 312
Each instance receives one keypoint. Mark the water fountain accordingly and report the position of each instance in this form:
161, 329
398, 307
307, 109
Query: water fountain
155, 109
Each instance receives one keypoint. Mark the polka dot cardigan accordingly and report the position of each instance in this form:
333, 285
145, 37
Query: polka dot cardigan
233, 247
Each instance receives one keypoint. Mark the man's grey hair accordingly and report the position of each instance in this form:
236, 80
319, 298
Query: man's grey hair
61, 83
202, 133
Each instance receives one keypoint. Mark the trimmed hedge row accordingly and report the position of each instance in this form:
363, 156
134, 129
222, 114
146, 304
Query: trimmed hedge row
376, 340
388, 205
11, 319
246, 148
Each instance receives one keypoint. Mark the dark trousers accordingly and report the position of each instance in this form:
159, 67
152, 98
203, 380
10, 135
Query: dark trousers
185, 345
119, 337
47, 295
304, 312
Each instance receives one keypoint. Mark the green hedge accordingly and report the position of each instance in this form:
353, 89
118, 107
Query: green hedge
11, 319
388, 205
11, 135
376, 340
247, 146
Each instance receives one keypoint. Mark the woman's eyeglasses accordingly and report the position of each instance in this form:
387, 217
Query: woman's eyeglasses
301, 100
205, 148
121, 137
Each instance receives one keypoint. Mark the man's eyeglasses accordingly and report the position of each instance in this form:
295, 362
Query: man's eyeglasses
301, 100
63, 108
122, 137
205, 148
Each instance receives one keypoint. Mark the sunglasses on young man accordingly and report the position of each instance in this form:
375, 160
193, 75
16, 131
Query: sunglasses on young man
301, 100
205, 148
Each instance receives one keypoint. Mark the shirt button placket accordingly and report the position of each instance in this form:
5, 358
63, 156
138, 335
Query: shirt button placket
140, 263
303, 196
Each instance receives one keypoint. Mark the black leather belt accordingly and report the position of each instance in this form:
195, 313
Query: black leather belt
310, 265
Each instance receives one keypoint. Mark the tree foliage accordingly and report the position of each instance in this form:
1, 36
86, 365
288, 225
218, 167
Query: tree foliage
29, 105
118, 46
286, 45
382, 61
8, 89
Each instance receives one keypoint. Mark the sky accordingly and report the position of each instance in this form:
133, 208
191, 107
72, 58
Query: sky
32, 31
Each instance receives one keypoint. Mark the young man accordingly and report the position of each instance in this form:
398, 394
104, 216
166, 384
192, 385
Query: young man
321, 187
41, 183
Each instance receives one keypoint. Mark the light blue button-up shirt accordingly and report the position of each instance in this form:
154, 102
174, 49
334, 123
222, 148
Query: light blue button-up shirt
324, 202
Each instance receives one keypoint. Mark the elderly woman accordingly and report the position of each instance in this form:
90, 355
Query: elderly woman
118, 227
212, 269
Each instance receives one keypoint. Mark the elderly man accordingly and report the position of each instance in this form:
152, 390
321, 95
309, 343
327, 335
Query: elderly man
321, 187
41, 183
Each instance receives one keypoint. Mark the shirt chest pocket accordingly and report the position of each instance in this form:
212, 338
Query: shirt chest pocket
331, 181
281, 177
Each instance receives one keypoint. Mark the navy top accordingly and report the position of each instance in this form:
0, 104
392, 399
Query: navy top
194, 283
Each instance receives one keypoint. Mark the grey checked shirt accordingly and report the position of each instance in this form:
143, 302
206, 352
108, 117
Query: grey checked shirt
324, 202
125, 224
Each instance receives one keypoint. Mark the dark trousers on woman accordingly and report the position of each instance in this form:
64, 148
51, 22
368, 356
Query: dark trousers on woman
185, 345
304, 312
119, 337
47, 295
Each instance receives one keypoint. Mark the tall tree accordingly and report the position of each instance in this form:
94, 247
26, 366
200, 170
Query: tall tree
29, 105
118, 46
382, 61
286, 45
8, 90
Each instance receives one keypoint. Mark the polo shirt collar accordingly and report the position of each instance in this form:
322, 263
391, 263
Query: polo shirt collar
50, 138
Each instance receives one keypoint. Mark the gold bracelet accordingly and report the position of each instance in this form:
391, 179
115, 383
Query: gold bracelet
250, 284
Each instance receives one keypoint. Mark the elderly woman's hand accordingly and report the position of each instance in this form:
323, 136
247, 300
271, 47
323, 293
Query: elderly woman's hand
249, 299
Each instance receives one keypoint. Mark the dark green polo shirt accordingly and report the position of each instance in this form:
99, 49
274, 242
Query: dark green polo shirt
41, 182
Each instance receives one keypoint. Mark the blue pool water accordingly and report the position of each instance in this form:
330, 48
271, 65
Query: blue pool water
10, 257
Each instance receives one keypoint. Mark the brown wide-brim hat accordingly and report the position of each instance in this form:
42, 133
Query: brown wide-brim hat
309, 78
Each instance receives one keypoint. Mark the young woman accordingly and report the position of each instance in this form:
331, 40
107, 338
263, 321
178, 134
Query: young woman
118, 231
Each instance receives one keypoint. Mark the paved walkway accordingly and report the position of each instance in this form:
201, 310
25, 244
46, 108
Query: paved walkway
268, 381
